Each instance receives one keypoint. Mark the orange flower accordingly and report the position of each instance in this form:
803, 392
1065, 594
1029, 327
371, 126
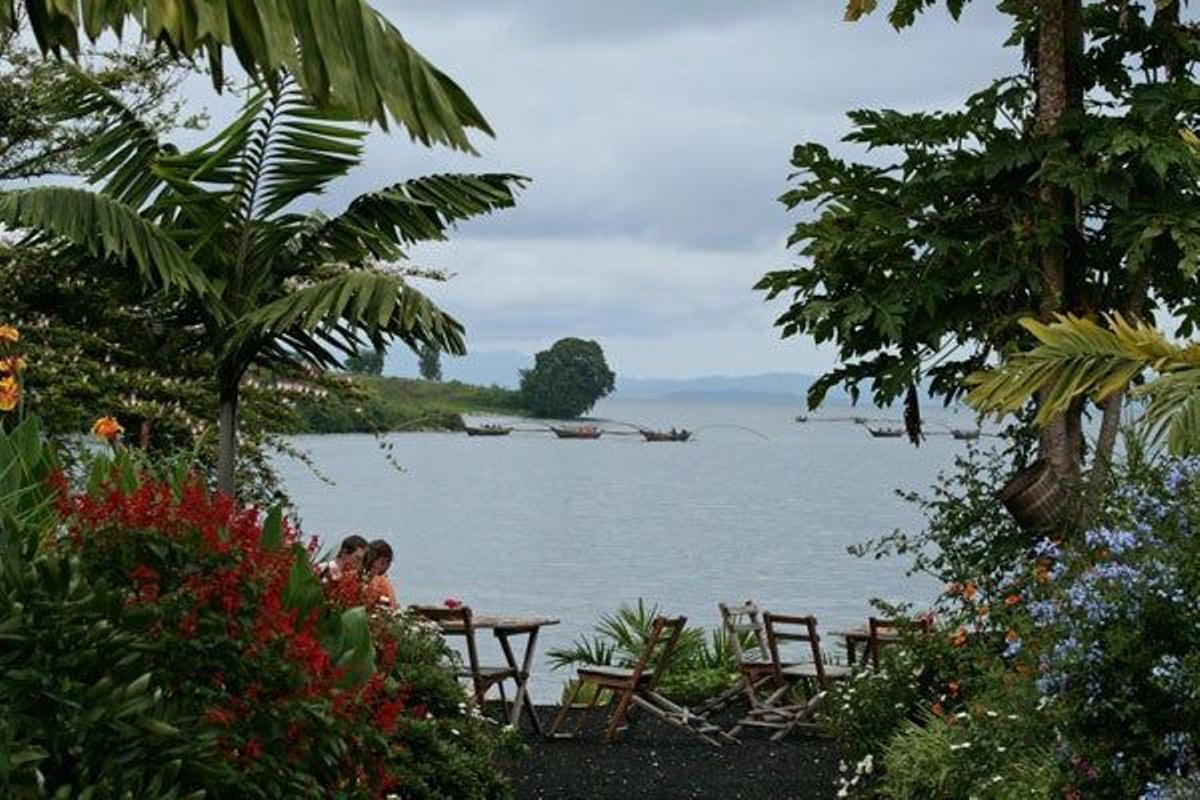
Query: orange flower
10, 393
11, 365
1011, 636
937, 709
953, 688
1043, 572
959, 637
9, 334
107, 428
984, 610
970, 590
1012, 599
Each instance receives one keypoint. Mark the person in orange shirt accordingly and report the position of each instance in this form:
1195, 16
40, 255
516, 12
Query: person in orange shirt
379, 591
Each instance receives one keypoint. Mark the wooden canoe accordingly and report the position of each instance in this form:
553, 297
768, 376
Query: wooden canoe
488, 430
577, 432
666, 436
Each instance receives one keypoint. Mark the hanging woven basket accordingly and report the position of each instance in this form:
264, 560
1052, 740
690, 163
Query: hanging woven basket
1036, 497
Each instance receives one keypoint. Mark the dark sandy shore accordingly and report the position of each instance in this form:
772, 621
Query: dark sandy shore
654, 760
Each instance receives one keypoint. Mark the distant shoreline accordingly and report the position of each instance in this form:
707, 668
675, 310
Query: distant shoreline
379, 404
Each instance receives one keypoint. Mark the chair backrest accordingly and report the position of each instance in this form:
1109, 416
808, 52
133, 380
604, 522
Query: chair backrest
787, 628
456, 622
740, 619
665, 634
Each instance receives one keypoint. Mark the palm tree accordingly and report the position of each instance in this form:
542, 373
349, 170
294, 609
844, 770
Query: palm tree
216, 228
342, 53
1077, 357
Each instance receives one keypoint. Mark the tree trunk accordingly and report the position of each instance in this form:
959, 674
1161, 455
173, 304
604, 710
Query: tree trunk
1059, 92
227, 440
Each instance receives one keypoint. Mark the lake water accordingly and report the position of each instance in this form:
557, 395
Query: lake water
531, 524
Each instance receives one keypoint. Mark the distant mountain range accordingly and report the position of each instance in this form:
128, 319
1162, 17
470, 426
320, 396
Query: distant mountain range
502, 368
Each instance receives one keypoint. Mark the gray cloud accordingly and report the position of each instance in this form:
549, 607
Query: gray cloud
658, 136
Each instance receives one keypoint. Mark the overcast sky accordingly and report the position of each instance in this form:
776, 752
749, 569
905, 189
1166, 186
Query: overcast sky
657, 134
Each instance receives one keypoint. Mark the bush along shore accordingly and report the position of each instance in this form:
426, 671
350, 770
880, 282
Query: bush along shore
372, 404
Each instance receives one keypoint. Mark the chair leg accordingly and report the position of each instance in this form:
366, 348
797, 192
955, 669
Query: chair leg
587, 711
561, 716
619, 714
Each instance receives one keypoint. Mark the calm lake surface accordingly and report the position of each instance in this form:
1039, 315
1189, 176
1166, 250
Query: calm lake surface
570, 529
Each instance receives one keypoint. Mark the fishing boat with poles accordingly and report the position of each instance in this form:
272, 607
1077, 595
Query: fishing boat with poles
489, 429
673, 435
576, 431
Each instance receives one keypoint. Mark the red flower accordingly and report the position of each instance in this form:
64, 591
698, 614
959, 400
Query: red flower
220, 716
253, 750
452, 603
387, 714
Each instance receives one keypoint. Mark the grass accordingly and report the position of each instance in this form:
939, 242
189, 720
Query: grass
394, 404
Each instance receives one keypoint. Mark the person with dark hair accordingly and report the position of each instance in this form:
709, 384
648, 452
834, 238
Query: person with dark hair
379, 591
348, 560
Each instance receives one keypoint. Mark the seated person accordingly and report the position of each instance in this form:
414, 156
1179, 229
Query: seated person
379, 591
348, 560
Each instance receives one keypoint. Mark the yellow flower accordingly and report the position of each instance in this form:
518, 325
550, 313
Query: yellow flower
107, 428
9, 334
11, 365
10, 393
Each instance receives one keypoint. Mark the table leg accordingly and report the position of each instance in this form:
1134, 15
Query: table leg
521, 699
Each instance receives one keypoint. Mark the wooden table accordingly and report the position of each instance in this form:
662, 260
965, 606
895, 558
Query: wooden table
862, 635
504, 627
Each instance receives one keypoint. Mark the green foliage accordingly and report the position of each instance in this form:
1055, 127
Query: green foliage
159, 642
343, 53
34, 92
292, 288
430, 363
702, 666
369, 404
567, 379
919, 267
973, 755
368, 363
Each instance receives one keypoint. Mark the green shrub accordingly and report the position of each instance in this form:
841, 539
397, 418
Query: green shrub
703, 666
159, 641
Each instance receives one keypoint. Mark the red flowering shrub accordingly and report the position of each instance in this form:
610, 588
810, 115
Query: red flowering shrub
250, 680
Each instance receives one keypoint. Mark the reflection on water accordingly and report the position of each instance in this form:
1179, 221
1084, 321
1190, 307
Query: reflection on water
531, 524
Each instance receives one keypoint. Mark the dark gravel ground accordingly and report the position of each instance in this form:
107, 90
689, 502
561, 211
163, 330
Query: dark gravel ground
655, 760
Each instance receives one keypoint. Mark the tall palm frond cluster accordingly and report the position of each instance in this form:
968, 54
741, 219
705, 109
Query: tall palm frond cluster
341, 53
219, 232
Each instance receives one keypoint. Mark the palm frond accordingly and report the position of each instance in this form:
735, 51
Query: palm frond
358, 301
123, 155
104, 227
379, 224
341, 52
308, 150
1075, 357
1174, 410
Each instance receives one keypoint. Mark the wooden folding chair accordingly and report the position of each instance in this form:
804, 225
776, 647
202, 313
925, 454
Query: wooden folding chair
815, 675
458, 622
757, 677
635, 686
